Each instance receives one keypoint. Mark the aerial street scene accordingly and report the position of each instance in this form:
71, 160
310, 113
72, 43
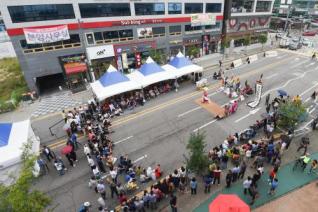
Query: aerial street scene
158, 105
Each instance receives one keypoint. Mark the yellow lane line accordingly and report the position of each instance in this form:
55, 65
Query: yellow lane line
174, 101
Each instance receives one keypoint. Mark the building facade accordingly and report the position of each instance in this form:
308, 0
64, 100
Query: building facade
120, 32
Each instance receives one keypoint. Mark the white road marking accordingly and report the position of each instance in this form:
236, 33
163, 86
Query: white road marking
205, 125
122, 140
141, 158
271, 76
315, 85
252, 112
189, 111
299, 64
307, 99
306, 66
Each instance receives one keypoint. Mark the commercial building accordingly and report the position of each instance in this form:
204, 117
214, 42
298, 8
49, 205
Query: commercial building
119, 32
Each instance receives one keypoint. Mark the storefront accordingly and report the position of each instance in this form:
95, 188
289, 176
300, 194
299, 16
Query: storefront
75, 71
193, 45
175, 46
131, 55
99, 58
210, 44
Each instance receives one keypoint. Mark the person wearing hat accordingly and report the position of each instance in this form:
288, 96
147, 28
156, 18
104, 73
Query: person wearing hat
85, 207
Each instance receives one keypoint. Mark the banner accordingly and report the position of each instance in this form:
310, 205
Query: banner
203, 19
46, 35
144, 32
258, 96
124, 60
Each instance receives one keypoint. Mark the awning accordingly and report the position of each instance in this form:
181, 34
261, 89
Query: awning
74, 68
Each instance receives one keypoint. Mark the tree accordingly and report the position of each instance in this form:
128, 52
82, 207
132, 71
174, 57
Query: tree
246, 42
198, 159
224, 45
157, 56
262, 39
19, 196
291, 114
193, 51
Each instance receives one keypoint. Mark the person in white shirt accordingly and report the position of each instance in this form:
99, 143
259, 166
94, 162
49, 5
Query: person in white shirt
247, 184
90, 161
96, 172
113, 174
87, 150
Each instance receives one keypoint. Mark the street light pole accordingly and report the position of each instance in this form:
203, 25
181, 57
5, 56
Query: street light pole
287, 18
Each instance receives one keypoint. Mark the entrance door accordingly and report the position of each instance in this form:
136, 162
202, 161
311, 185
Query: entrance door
50, 83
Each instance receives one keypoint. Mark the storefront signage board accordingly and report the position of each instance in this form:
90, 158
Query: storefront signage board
98, 52
46, 35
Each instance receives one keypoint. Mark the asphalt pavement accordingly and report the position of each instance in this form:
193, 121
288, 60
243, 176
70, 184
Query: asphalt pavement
158, 132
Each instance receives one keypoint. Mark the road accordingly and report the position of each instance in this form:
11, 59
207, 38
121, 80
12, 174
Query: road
158, 132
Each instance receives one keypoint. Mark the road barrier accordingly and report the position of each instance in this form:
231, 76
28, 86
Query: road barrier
270, 54
237, 63
252, 58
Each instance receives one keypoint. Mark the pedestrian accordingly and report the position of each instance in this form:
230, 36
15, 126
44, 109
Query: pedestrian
228, 179
43, 165
59, 167
113, 174
101, 189
217, 175
96, 172
305, 160
303, 144
242, 170
113, 189
253, 193
224, 160
207, 183
267, 99
220, 63
48, 153
272, 174
255, 178
90, 161
193, 186
74, 141
235, 172
73, 155
70, 160
247, 184
173, 203
273, 186
100, 164
84, 207
313, 166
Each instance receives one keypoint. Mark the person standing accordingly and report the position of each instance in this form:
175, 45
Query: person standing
48, 153
304, 144
70, 159
228, 179
217, 175
193, 186
90, 161
100, 164
113, 174
267, 100
247, 184
101, 189
253, 193
235, 172
273, 186
207, 183
113, 189
314, 165
255, 178
173, 203
242, 170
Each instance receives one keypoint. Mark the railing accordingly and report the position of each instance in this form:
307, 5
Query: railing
153, 36
51, 48
50, 128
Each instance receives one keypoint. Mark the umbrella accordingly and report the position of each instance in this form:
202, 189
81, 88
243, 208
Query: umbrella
282, 93
228, 203
67, 149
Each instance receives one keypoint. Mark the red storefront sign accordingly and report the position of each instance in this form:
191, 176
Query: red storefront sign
137, 22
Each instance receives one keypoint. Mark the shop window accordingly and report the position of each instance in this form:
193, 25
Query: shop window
175, 30
216, 26
125, 33
90, 38
110, 35
98, 36
93, 10
213, 7
174, 8
263, 6
190, 8
158, 31
242, 6
43, 12
189, 28
149, 8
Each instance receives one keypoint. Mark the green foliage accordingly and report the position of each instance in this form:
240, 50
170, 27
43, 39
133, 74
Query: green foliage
157, 56
198, 159
11, 79
290, 114
193, 51
225, 44
19, 196
262, 39
246, 41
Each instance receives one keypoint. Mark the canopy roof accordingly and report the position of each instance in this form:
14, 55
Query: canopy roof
180, 61
228, 203
150, 67
182, 71
112, 83
112, 76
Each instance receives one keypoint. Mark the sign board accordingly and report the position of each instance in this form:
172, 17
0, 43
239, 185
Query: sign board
46, 35
271, 54
258, 96
252, 58
237, 63
137, 22
203, 19
124, 60
144, 32
98, 52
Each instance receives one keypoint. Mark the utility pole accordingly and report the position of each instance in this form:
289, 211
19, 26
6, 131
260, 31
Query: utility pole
226, 18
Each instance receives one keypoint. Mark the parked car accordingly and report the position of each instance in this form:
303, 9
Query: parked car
280, 35
309, 33
292, 46
284, 43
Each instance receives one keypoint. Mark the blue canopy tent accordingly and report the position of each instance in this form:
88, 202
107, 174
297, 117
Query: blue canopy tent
150, 73
180, 65
112, 83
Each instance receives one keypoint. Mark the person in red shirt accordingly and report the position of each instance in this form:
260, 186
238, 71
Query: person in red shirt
122, 198
158, 171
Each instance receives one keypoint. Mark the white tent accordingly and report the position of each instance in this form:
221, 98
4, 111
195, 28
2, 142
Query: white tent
180, 66
150, 73
112, 83
13, 136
